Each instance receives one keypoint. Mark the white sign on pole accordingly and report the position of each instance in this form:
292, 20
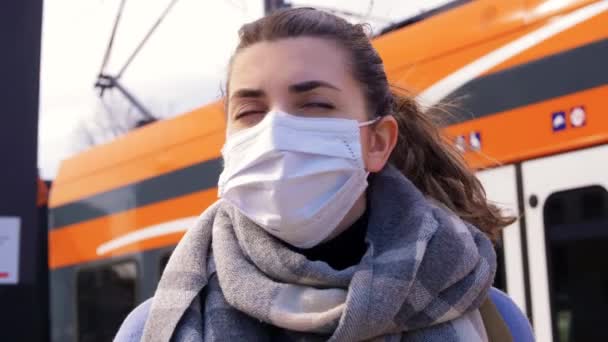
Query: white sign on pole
9, 249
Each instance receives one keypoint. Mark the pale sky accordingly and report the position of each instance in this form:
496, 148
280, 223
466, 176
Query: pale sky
180, 68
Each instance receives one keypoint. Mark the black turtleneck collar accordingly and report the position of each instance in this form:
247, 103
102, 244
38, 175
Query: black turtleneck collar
344, 250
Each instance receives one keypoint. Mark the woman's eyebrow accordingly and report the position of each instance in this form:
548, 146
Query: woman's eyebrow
248, 93
310, 85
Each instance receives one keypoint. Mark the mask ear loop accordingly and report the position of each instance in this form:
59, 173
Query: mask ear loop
370, 122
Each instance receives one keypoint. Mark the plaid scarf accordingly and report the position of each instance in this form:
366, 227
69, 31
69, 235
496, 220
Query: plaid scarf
423, 277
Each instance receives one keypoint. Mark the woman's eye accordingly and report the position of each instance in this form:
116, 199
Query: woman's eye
318, 105
249, 112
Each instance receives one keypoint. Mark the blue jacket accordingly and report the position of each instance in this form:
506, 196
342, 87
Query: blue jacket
132, 328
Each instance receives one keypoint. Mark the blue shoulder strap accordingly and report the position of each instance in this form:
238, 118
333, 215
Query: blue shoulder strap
516, 321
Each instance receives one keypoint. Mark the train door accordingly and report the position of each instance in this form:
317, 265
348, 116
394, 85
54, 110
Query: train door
501, 189
566, 207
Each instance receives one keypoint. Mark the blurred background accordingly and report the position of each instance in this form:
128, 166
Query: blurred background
180, 67
111, 128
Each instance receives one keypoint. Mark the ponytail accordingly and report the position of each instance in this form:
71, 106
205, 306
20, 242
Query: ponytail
432, 163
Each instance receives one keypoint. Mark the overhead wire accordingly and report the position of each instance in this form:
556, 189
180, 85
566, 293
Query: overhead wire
105, 81
146, 37
108, 52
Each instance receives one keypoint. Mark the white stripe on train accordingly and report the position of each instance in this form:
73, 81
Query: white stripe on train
438, 91
150, 232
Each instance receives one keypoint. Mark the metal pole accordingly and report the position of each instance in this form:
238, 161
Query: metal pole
273, 5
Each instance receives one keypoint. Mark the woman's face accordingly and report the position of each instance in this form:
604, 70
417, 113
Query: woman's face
301, 76
307, 77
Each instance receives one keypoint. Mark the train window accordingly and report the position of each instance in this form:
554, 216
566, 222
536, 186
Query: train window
576, 225
106, 295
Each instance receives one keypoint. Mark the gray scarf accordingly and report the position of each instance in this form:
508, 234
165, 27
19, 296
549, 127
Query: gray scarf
423, 277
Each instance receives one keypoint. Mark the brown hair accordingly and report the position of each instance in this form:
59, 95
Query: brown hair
422, 153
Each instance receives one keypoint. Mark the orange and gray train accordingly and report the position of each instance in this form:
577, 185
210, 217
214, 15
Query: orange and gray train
530, 78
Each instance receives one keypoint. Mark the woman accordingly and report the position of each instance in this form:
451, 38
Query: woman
344, 214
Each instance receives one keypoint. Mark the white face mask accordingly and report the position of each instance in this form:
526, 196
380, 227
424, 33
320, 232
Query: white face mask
296, 177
